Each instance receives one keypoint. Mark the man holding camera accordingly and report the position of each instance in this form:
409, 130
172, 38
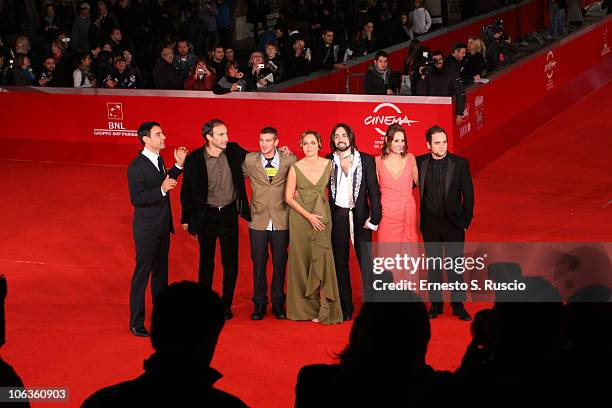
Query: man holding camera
499, 48
441, 80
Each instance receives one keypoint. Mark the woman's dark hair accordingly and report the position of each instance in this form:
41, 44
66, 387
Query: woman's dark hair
389, 135
231, 64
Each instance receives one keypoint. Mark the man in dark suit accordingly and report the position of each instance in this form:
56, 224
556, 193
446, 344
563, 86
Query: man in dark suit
213, 195
149, 185
356, 211
447, 208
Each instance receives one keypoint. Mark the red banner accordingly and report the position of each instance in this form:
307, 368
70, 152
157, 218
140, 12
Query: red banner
106, 116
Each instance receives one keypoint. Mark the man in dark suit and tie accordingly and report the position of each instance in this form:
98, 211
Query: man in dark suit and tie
447, 208
150, 185
356, 212
213, 195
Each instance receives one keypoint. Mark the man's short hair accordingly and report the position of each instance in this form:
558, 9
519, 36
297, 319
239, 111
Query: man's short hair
434, 53
207, 128
186, 316
270, 130
458, 46
434, 129
145, 130
380, 54
326, 30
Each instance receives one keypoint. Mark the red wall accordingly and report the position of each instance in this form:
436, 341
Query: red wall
528, 94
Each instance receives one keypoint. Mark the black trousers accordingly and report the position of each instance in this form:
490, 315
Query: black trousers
151, 259
277, 242
341, 241
221, 224
442, 239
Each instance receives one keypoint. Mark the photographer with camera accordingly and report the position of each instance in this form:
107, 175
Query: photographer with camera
500, 51
46, 77
200, 78
121, 77
259, 74
434, 78
233, 81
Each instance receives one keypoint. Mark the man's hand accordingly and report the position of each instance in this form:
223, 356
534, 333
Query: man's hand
285, 151
179, 155
110, 83
43, 81
458, 120
186, 229
234, 87
390, 92
168, 184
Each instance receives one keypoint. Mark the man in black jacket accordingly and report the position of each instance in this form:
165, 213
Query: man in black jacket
356, 211
323, 56
378, 78
165, 75
213, 195
447, 208
442, 81
150, 183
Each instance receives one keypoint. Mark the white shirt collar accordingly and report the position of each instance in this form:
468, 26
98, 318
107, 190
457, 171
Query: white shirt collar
150, 155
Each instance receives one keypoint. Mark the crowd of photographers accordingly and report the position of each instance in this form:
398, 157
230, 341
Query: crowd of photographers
429, 73
127, 44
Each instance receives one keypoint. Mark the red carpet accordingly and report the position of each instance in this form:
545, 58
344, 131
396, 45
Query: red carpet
66, 248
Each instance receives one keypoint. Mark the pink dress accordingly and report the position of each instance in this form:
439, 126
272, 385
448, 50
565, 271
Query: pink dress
399, 217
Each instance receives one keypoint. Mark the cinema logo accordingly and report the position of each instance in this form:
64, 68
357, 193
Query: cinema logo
466, 126
115, 126
479, 111
549, 70
387, 114
606, 48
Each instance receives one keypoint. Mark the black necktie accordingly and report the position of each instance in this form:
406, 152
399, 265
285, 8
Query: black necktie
270, 169
160, 166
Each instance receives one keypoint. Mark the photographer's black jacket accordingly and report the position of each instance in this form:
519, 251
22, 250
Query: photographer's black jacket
440, 82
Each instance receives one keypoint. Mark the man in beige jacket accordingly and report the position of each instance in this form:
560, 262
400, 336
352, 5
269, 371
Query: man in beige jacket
269, 228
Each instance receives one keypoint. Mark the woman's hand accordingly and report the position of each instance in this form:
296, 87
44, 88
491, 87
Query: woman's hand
315, 221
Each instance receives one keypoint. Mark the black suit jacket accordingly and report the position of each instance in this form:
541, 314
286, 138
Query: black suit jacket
459, 191
367, 200
194, 191
152, 210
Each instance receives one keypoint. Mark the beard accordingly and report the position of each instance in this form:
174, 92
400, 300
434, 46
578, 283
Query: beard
343, 147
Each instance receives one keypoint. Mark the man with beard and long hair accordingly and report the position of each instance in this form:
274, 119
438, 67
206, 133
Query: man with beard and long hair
356, 211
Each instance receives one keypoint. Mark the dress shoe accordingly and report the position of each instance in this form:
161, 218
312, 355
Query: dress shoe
139, 331
460, 312
228, 313
436, 308
259, 312
278, 312
347, 317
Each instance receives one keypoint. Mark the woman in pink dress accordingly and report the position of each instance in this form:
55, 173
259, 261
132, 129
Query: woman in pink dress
397, 171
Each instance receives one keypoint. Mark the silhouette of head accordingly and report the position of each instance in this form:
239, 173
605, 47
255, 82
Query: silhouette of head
187, 320
589, 317
527, 326
381, 325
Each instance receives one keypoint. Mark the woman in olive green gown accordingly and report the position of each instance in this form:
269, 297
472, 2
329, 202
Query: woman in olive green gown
312, 287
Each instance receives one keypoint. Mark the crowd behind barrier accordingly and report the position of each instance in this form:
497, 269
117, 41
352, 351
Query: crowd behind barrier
131, 45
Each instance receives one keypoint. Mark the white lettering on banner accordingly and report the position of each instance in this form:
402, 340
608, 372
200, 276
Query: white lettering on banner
115, 116
549, 70
381, 119
605, 49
